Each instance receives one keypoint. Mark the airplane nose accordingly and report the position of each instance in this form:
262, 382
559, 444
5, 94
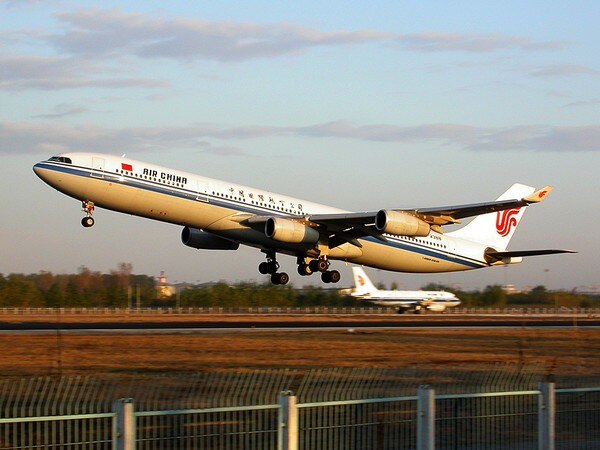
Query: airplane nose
37, 168
43, 173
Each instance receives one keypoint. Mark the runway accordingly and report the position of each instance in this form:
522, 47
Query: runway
217, 325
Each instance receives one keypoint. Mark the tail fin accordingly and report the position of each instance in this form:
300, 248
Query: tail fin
362, 283
496, 229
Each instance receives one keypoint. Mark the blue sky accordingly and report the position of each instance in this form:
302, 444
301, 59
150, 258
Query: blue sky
394, 104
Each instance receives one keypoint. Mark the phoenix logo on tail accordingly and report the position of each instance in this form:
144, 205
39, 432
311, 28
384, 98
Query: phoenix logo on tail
506, 220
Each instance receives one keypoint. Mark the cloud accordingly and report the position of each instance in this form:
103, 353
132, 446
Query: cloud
55, 73
393, 133
541, 139
474, 43
583, 103
16, 3
94, 47
25, 138
563, 70
102, 33
61, 111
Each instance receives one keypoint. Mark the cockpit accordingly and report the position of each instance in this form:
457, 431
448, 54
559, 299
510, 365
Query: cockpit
61, 159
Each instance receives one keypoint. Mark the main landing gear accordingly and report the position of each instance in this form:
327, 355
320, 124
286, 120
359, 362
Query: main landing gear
319, 265
271, 266
88, 209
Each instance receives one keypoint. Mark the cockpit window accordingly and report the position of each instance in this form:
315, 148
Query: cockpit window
61, 159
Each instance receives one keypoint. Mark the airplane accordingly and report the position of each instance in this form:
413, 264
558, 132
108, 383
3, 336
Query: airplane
415, 301
220, 215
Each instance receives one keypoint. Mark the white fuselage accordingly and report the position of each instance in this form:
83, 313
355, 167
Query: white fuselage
434, 300
219, 207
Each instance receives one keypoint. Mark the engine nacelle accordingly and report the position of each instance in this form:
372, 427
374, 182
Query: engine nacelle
400, 224
193, 237
290, 231
436, 307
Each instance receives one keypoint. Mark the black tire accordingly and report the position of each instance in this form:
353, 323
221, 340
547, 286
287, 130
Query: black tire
322, 265
263, 268
87, 222
304, 270
325, 277
280, 278
283, 278
334, 276
313, 265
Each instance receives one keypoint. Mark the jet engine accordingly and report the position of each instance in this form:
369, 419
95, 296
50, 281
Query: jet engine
436, 307
290, 231
193, 237
400, 224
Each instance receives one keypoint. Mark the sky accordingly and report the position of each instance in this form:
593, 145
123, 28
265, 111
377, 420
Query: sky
362, 107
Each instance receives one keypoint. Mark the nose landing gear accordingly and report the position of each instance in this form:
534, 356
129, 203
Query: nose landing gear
88, 209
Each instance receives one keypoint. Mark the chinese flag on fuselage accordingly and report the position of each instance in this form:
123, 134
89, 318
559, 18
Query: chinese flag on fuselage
127, 167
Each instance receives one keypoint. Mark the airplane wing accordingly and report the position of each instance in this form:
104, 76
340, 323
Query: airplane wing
348, 227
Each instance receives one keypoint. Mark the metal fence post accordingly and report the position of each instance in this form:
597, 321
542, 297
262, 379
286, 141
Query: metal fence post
288, 421
425, 418
124, 429
546, 416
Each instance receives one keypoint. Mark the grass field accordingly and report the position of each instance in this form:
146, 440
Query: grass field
574, 351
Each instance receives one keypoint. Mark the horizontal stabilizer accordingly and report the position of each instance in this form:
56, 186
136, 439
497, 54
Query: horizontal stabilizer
521, 253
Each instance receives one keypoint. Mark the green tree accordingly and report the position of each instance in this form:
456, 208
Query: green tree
54, 297
493, 296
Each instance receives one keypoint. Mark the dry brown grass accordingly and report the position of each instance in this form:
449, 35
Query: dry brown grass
575, 351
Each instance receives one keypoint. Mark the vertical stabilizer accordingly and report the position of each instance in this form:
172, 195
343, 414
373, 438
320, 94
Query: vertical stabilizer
362, 283
496, 229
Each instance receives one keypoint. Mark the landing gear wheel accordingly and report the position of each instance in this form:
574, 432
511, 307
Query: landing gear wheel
268, 267
319, 265
304, 270
263, 268
87, 222
280, 278
332, 276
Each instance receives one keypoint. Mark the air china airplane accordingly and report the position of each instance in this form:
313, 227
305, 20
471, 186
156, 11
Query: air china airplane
219, 215
415, 301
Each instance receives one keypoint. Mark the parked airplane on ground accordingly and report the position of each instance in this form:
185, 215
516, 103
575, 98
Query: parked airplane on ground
415, 301
219, 215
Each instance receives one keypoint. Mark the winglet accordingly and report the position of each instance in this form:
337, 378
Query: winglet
538, 196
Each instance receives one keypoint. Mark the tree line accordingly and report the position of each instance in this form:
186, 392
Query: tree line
121, 288
86, 288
